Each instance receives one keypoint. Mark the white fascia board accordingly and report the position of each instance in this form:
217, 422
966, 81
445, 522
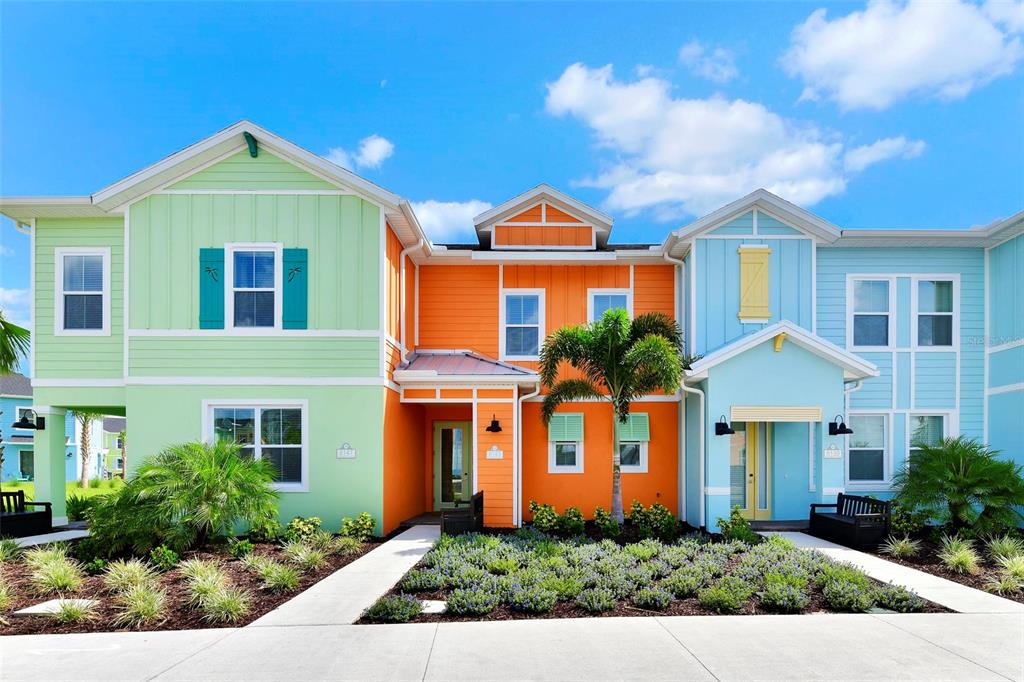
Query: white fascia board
543, 192
547, 256
790, 213
23, 209
417, 378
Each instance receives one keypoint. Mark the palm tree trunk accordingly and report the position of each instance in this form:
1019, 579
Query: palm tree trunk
124, 455
616, 471
86, 423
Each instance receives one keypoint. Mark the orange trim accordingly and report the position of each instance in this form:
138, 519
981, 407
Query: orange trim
494, 393
420, 393
457, 393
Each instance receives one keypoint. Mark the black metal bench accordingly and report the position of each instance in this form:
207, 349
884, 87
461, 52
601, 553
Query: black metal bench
18, 521
466, 517
859, 522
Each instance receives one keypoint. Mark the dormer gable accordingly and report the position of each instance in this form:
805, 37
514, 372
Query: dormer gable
543, 219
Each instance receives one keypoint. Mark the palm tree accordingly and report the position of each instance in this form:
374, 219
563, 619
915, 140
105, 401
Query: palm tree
620, 360
123, 435
85, 419
14, 345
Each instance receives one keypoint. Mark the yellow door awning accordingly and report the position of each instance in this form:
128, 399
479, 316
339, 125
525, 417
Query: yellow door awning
775, 414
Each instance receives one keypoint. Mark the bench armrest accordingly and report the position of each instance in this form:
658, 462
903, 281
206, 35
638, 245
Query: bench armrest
817, 505
48, 505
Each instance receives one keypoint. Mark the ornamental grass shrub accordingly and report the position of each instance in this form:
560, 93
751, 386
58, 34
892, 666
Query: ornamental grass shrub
394, 609
472, 601
900, 548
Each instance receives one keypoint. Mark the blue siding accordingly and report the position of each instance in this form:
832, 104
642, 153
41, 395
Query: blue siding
903, 313
935, 380
1006, 367
743, 224
1004, 431
902, 373
1006, 305
768, 225
875, 393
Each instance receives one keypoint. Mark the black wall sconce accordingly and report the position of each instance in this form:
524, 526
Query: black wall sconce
36, 424
838, 427
495, 426
722, 427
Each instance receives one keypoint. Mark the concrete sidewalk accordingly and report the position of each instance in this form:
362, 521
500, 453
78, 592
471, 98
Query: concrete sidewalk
804, 647
950, 594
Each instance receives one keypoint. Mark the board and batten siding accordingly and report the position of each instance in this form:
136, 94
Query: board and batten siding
77, 357
242, 171
341, 233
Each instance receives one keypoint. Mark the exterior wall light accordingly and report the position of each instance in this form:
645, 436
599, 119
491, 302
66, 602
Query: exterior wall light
838, 427
722, 427
36, 424
495, 426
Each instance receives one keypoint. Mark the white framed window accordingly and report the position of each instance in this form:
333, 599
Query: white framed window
868, 451
119, 463
22, 412
252, 272
275, 430
928, 429
633, 457
565, 457
869, 317
82, 288
118, 444
522, 324
601, 300
935, 323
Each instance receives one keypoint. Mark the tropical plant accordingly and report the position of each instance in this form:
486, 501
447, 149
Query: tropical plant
619, 360
14, 345
360, 528
1005, 546
57, 576
9, 550
163, 557
85, 419
300, 528
122, 576
227, 605
123, 435
964, 485
901, 548
608, 526
70, 611
737, 527
959, 555
139, 605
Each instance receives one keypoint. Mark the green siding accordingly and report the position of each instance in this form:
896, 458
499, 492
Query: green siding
232, 356
78, 357
241, 171
342, 234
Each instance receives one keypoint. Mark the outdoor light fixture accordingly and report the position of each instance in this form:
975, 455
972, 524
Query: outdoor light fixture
495, 426
37, 424
722, 427
838, 427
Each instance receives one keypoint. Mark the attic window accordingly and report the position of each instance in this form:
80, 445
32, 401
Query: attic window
754, 283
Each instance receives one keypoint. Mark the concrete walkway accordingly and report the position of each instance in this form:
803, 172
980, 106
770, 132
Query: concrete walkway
56, 536
342, 597
950, 594
901, 647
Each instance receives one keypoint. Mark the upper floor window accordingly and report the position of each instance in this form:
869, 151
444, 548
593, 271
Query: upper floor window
871, 312
83, 291
255, 297
867, 461
522, 325
934, 312
602, 300
274, 432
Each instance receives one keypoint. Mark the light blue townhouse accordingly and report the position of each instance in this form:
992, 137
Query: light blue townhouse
15, 400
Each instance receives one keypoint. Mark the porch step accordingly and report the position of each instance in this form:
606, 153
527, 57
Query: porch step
798, 525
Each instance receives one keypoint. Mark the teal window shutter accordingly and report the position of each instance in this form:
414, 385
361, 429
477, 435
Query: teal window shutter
211, 288
295, 295
636, 428
566, 426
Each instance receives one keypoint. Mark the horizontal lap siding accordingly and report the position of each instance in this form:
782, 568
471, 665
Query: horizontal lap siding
935, 380
394, 283
494, 476
505, 235
654, 289
231, 356
242, 171
1006, 304
459, 308
77, 357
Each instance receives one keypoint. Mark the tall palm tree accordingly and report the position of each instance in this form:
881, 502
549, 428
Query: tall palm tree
619, 360
85, 419
123, 435
14, 345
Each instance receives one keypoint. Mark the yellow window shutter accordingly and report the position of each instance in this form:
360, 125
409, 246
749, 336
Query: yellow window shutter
754, 282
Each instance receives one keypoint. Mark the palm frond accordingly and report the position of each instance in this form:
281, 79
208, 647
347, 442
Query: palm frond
14, 344
568, 344
567, 391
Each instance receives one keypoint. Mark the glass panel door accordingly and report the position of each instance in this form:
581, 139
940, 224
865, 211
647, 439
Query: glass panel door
738, 472
750, 466
453, 468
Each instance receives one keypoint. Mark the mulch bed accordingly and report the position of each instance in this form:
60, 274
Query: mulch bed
179, 615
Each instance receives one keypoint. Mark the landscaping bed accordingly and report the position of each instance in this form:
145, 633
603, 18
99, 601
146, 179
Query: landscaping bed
256, 593
530, 574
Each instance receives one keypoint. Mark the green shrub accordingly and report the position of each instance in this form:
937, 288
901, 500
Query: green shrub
78, 506
96, 566
566, 585
1004, 584
473, 601
654, 522
138, 606
57, 576
1012, 566
596, 600
265, 528
899, 599
422, 580
727, 595
71, 611
361, 528
304, 556
571, 522
278, 577
9, 550
227, 605
323, 541
904, 521
958, 555
652, 598
501, 565
644, 550
300, 528
901, 548
964, 485
846, 595
344, 545
239, 548
533, 599
738, 528
606, 524
394, 609
545, 518
163, 557
1005, 546
122, 576
842, 573
95, 483
784, 593
203, 586
683, 583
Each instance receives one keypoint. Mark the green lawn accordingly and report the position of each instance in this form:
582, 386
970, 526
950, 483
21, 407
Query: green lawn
72, 488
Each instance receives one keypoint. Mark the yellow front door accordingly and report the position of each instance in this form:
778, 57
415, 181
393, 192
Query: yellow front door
750, 469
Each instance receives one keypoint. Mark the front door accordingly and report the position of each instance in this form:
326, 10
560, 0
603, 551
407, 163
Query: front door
750, 469
453, 463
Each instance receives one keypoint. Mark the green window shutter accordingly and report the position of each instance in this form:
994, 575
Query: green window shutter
637, 427
295, 297
211, 288
566, 426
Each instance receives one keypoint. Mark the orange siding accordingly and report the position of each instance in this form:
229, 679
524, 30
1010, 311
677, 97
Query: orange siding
420, 393
558, 216
538, 235
494, 476
459, 307
404, 473
494, 393
530, 215
393, 251
593, 487
393, 357
410, 303
451, 393
654, 289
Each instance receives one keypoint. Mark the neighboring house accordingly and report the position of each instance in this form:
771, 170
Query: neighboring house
113, 446
18, 462
248, 290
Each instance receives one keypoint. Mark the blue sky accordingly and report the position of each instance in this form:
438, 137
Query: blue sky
880, 115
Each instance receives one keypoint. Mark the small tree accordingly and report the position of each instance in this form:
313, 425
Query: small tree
85, 420
620, 360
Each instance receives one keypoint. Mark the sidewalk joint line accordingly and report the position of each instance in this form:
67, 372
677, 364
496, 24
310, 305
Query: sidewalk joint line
230, 631
430, 652
671, 634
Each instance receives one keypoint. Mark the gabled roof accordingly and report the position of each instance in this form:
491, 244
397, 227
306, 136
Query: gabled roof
854, 366
114, 424
544, 192
987, 236
438, 366
15, 386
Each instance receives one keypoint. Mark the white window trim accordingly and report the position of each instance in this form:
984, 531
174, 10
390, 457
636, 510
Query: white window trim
505, 293
946, 420
886, 480
915, 281
18, 412
229, 285
554, 468
58, 289
591, 293
640, 468
302, 405
851, 281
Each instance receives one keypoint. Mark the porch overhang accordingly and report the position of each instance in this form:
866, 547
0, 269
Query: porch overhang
457, 375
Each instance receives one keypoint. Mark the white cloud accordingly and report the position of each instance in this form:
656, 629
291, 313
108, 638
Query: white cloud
15, 304
373, 151
678, 156
449, 221
859, 158
6, 250
717, 65
888, 52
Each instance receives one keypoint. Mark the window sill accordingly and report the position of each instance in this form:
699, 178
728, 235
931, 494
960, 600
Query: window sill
868, 485
82, 332
291, 487
632, 470
566, 470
